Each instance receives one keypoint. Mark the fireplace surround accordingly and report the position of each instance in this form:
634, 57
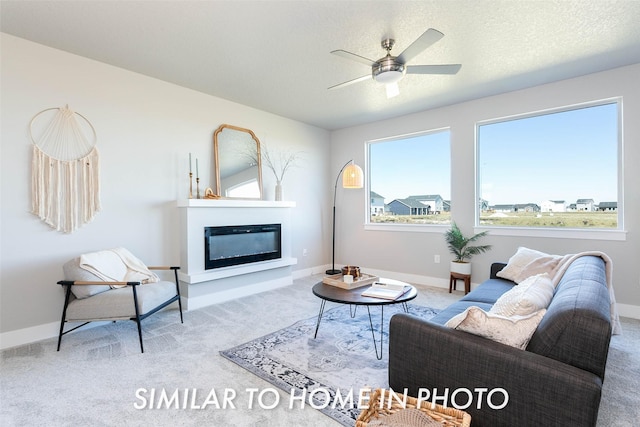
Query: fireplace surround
201, 286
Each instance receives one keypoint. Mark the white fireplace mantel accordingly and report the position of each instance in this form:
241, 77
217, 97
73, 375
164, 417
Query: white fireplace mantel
196, 214
233, 203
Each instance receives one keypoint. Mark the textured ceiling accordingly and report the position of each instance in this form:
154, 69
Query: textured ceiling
274, 55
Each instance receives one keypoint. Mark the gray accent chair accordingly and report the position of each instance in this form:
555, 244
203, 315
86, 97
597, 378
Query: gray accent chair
88, 298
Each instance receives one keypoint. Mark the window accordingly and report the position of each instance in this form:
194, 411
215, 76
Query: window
409, 179
557, 169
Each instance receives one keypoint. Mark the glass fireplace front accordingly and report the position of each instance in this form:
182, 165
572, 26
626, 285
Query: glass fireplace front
241, 244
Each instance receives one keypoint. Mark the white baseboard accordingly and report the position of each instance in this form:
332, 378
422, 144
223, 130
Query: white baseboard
35, 333
627, 310
28, 335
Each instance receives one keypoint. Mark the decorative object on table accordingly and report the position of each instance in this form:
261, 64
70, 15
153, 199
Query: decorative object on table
459, 246
352, 178
338, 280
384, 406
209, 194
279, 162
65, 173
353, 270
386, 290
237, 163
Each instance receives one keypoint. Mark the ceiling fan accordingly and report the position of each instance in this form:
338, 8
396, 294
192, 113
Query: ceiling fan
389, 70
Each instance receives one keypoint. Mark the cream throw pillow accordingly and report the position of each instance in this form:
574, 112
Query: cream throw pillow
517, 263
532, 294
515, 331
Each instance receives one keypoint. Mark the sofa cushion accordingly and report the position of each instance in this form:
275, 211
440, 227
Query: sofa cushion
515, 331
489, 291
533, 294
72, 271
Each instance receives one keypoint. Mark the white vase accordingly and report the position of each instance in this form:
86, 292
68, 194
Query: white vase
278, 191
460, 267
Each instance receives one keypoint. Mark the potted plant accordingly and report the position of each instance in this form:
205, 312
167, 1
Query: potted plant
462, 250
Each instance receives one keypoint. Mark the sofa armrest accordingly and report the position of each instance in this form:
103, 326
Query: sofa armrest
541, 391
495, 268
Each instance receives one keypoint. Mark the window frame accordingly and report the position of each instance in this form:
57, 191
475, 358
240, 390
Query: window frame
398, 227
618, 233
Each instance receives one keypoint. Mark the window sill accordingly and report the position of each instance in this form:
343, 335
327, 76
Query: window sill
574, 233
411, 228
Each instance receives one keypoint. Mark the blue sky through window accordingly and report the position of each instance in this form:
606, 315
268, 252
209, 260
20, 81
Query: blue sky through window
414, 165
566, 155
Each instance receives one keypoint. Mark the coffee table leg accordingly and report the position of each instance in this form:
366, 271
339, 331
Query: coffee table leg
352, 313
373, 335
319, 317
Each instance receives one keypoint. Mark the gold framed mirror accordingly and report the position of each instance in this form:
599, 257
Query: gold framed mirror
237, 160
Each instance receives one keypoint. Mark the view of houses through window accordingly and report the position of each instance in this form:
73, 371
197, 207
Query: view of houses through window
409, 179
556, 169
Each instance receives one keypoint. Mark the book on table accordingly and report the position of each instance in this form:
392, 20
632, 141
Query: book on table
384, 290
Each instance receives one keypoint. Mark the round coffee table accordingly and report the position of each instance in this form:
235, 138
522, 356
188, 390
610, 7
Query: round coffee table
354, 297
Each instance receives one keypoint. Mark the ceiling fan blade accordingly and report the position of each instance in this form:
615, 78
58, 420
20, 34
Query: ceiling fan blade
353, 57
433, 69
428, 38
350, 82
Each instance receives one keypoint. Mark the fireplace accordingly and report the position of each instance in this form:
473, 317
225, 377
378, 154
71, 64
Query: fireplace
241, 244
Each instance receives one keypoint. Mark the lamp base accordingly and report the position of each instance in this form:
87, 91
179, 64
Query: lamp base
333, 272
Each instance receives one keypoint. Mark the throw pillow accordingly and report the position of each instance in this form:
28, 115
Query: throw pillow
515, 331
532, 294
72, 271
517, 263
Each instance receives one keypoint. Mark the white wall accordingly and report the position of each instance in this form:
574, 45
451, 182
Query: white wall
412, 254
146, 129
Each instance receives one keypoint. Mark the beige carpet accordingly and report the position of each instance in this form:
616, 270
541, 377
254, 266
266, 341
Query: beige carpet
99, 376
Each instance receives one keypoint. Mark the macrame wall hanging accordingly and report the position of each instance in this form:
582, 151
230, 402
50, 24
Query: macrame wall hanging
65, 174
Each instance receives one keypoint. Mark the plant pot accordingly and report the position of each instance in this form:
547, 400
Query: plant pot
460, 267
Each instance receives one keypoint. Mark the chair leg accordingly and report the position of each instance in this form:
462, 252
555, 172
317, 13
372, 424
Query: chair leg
137, 318
64, 314
175, 272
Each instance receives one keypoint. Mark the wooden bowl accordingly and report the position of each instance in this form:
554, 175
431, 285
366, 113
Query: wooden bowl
352, 270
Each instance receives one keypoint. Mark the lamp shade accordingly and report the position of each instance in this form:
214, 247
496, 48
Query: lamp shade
352, 177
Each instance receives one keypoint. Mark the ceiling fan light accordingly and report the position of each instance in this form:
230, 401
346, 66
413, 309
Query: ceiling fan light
389, 77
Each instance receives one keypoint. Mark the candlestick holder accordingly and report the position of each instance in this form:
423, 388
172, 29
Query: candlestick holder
190, 185
197, 188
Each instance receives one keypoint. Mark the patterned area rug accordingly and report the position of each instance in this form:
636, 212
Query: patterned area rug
330, 371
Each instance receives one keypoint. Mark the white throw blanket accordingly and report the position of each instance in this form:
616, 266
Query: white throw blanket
117, 265
528, 262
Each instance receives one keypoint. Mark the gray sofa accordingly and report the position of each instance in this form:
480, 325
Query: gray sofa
556, 381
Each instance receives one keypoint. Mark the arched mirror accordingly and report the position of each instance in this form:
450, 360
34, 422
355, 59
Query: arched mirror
238, 168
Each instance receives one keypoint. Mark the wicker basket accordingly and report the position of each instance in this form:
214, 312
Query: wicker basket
449, 417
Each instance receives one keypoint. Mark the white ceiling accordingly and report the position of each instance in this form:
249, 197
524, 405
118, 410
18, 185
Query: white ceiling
274, 55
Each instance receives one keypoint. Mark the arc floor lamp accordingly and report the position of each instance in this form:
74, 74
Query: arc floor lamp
352, 177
